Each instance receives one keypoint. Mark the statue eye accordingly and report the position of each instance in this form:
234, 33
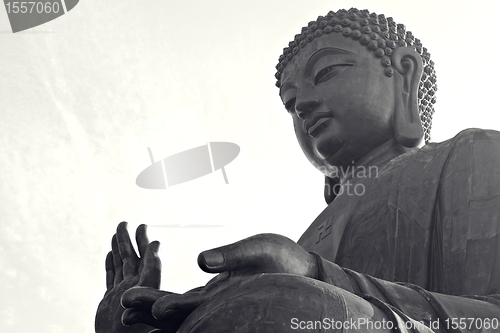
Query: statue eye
329, 72
290, 105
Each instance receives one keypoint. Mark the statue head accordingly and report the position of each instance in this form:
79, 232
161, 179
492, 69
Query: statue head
353, 81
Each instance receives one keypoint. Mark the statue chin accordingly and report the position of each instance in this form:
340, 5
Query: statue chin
327, 145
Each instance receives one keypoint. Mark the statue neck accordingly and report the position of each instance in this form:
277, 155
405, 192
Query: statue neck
377, 158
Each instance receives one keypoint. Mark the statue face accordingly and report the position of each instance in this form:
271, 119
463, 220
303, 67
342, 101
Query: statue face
340, 100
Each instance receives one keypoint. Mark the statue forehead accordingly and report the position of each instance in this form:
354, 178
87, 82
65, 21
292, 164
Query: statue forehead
294, 69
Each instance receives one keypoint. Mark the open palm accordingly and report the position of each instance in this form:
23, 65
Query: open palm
124, 270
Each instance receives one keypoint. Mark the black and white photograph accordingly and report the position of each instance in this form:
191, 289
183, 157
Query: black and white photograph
249, 166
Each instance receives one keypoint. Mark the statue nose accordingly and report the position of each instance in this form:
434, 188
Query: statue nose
305, 108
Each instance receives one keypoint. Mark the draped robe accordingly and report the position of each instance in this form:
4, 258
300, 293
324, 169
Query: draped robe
429, 218
412, 236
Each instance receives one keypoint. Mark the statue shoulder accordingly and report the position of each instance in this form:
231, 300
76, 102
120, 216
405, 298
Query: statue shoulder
476, 135
475, 141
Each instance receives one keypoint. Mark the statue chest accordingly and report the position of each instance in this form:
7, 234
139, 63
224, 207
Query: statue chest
377, 226
349, 221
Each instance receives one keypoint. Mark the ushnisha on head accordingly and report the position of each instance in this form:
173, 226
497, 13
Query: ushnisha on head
382, 37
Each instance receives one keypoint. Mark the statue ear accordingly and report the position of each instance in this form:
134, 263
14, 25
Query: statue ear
407, 126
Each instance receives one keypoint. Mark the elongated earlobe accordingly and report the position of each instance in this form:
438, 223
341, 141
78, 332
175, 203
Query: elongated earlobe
408, 129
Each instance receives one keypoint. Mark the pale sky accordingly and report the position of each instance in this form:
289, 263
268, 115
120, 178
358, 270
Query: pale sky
83, 97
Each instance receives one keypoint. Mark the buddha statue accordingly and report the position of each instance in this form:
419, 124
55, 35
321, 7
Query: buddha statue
409, 241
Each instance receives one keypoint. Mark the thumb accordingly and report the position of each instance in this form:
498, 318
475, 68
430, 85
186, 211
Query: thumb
247, 254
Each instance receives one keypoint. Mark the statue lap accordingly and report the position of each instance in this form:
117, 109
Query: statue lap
284, 302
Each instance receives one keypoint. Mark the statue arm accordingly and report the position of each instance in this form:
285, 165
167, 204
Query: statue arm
467, 223
466, 252
438, 311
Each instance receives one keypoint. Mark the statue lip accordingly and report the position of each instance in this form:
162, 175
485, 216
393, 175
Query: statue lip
317, 121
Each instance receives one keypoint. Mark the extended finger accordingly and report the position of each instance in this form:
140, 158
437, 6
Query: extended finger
137, 297
110, 271
151, 268
142, 240
245, 254
127, 252
117, 261
137, 316
176, 306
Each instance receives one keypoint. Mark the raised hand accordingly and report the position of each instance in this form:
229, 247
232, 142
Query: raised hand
265, 253
124, 270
